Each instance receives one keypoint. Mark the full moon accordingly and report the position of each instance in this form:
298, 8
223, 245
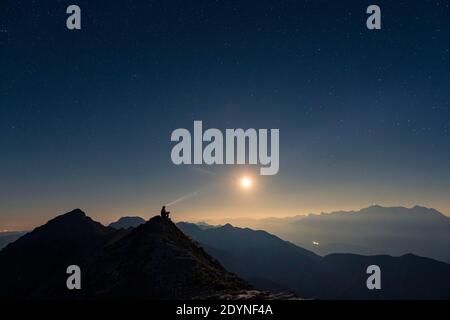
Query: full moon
246, 182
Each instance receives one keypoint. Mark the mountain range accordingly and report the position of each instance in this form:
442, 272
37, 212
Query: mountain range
153, 261
271, 263
374, 230
158, 259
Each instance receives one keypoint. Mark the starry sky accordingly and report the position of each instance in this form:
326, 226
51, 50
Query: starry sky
86, 116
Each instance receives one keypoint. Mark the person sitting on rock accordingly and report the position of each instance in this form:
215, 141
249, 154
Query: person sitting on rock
164, 213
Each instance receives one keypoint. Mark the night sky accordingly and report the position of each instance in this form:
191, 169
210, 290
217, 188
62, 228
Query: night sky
86, 116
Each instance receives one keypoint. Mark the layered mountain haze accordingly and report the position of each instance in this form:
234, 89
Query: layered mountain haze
371, 231
264, 259
274, 264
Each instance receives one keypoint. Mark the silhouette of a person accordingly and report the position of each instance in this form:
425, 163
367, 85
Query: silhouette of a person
164, 213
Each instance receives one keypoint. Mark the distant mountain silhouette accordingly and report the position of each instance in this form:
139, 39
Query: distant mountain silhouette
405, 277
271, 263
204, 225
263, 259
153, 261
374, 230
9, 236
127, 222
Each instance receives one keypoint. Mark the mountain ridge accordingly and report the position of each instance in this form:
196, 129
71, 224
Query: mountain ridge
335, 276
152, 261
162, 260
27, 263
372, 230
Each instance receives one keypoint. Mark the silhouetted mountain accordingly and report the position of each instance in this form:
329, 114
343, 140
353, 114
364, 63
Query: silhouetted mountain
155, 261
158, 261
405, 277
127, 222
28, 265
9, 236
374, 230
271, 263
263, 259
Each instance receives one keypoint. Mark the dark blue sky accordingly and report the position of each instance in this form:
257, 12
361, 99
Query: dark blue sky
86, 116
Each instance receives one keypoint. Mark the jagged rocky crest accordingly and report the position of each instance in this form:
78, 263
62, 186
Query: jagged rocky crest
158, 261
